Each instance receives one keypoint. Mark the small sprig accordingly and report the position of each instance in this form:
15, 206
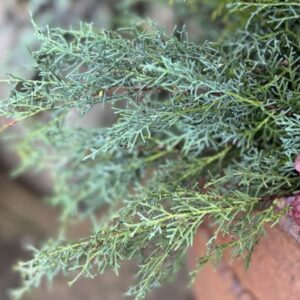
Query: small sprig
158, 229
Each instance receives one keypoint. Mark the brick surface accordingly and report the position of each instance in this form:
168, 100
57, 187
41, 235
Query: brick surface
275, 268
209, 284
273, 273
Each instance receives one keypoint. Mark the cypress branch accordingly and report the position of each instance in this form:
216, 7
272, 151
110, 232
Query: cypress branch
225, 113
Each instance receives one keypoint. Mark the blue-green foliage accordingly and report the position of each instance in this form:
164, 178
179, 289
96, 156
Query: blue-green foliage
225, 113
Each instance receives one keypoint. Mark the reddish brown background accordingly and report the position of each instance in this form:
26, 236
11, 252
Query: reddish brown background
273, 274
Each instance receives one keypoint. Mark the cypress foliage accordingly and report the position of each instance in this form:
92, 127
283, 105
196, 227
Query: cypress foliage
224, 113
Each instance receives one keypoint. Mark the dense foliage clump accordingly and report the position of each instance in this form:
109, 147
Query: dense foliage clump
203, 133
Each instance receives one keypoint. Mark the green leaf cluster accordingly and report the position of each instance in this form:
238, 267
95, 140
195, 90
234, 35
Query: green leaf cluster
226, 114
